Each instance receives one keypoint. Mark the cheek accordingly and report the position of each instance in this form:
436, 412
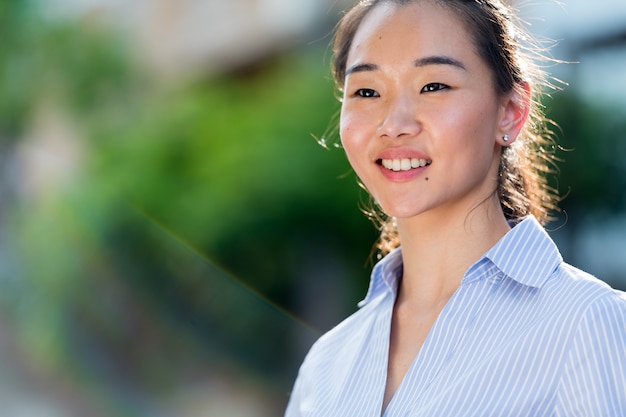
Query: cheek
344, 135
470, 123
354, 141
350, 145
349, 131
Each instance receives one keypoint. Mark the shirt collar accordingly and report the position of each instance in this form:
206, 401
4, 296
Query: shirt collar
525, 254
385, 276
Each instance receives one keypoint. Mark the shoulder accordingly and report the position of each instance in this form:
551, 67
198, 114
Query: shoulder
571, 299
352, 351
597, 311
592, 379
341, 343
598, 300
582, 287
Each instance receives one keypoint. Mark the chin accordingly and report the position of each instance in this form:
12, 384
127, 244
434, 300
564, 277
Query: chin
401, 212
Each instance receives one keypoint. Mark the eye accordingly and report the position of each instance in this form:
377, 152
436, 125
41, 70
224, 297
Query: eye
429, 88
366, 93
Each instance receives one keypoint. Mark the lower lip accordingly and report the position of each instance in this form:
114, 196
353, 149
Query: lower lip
402, 176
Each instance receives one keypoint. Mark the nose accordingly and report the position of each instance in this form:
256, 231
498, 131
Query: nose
400, 118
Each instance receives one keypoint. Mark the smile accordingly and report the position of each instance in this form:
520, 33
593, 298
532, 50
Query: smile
404, 164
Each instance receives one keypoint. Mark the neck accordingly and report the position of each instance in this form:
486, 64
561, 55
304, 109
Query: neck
438, 249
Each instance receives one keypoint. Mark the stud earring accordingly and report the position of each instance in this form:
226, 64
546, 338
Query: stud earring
505, 138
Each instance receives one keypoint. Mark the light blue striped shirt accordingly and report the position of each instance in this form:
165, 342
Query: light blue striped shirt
525, 334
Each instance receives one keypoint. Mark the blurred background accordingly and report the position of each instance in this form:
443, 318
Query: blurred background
172, 236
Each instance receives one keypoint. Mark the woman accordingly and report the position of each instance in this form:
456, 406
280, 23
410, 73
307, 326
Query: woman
473, 312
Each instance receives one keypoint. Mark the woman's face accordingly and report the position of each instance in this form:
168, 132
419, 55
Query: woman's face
421, 122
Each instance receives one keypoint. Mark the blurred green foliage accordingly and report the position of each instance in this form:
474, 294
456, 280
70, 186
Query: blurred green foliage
177, 246
82, 66
592, 175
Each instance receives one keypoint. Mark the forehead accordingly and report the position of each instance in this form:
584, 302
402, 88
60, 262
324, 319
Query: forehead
406, 30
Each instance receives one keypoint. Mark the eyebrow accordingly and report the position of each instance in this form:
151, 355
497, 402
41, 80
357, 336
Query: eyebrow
422, 62
361, 68
439, 60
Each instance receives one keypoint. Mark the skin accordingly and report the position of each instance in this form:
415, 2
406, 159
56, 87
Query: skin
416, 89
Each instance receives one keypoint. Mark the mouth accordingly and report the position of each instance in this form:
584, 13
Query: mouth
405, 164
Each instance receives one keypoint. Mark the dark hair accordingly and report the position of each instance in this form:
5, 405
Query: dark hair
523, 187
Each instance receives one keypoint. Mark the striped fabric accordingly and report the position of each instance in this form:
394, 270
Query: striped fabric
524, 335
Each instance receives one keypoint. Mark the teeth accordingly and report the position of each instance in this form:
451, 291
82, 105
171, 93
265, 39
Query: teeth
404, 164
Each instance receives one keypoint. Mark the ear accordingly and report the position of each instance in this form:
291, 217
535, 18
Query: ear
515, 109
